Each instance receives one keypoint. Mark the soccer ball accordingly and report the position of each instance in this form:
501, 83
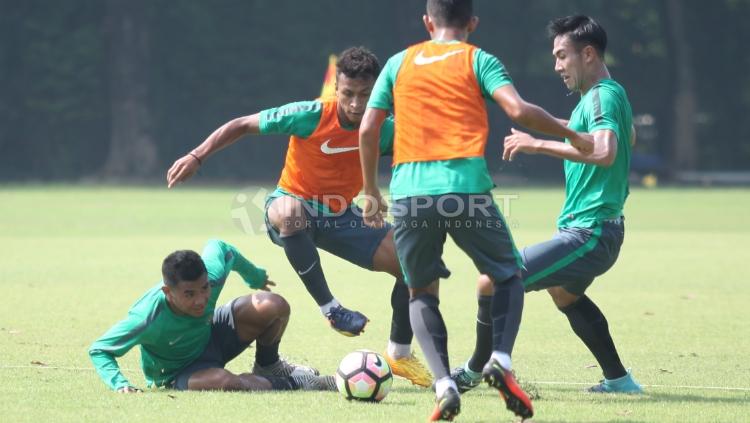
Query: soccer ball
364, 376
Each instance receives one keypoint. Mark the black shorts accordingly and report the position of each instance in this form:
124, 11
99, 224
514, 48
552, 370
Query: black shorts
344, 235
223, 346
474, 223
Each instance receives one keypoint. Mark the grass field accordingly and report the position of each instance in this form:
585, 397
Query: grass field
74, 259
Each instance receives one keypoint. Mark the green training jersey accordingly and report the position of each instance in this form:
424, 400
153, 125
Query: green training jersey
465, 175
169, 341
595, 193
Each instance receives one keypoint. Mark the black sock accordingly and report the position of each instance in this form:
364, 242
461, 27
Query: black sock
483, 347
401, 332
266, 355
429, 329
591, 326
303, 256
283, 383
507, 307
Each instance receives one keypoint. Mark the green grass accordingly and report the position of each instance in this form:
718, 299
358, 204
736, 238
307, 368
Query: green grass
74, 259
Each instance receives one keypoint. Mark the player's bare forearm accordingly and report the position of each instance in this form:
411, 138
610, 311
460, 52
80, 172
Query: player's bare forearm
369, 147
373, 205
227, 134
187, 165
604, 142
534, 117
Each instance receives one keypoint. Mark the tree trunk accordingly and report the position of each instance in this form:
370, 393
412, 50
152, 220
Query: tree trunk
132, 153
685, 145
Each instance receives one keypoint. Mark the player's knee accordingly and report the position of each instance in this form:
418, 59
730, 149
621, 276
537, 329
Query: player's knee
272, 306
561, 297
485, 285
287, 215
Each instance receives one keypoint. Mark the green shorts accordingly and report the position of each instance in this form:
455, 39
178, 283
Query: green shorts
474, 223
573, 257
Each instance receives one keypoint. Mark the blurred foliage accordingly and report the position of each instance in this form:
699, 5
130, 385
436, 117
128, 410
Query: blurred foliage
212, 61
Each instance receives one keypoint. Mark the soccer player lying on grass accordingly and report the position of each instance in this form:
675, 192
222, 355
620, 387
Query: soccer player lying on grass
440, 186
186, 341
591, 226
312, 205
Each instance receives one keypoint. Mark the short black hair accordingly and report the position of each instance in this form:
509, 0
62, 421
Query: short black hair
582, 30
450, 13
182, 265
358, 62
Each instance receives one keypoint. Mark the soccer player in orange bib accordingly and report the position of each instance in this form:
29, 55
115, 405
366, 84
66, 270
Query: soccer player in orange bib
312, 205
440, 186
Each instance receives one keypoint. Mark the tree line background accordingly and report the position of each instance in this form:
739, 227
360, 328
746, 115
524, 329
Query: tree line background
116, 90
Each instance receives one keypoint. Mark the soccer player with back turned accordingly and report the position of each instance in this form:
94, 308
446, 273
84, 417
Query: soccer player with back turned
438, 91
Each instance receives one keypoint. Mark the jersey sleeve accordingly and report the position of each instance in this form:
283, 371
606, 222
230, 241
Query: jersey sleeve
117, 341
386, 137
382, 92
220, 258
491, 73
299, 119
603, 111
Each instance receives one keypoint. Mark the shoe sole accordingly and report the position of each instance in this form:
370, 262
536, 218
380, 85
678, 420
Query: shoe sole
444, 415
515, 399
349, 334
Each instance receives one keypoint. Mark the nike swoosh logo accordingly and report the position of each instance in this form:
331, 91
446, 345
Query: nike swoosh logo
421, 60
175, 341
335, 150
308, 269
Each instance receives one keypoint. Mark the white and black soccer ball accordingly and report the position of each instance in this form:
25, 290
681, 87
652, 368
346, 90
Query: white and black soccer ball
364, 376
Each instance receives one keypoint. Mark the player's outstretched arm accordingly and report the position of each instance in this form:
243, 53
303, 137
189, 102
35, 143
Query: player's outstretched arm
534, 117
604, 140
369, 150
220, 258
117, 341
227, 134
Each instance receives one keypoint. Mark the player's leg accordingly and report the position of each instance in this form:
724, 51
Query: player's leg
481, 232
263, 317
565, 266
234, 327
399, 354
291, 227
419, 243
469, 375
220, 379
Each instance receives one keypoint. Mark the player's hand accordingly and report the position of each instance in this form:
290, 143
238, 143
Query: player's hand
267, 285
373, 208
583, 143
128, 390
518, 142
182, 170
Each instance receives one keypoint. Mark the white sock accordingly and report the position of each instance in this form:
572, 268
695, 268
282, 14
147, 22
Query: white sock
325, 308
442, 385
396, 351
503, 359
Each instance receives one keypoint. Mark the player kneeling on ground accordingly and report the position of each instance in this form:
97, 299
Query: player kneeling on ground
186, 341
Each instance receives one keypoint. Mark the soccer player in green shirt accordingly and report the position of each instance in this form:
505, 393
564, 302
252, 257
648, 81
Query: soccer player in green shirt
186, 340
591, 224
